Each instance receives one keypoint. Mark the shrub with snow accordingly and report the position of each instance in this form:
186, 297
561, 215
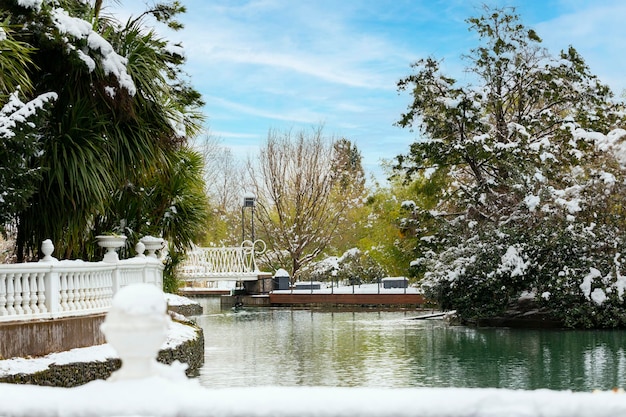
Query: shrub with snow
353, 267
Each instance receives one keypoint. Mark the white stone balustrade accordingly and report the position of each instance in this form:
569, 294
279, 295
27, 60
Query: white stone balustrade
52, 289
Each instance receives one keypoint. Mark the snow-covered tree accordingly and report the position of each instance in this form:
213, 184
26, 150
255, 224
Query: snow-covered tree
527, 156
19, 144
19, 138
353, 267
121, 117
301, 195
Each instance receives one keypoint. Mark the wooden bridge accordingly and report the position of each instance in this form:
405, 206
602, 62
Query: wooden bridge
205, 268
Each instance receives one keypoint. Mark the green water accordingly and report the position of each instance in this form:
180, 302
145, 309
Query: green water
257, 347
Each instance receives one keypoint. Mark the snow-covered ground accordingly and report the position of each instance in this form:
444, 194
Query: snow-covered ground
177, 300
178, 333
172, 394
165, 397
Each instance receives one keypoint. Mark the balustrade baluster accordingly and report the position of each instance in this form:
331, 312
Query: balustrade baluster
110, 288
26, 294
93, 288
75, 278
69, 291
78, 292
3, 295
19, 310
11, 294
97, 285
90, 290
72, 294
90, 296
41, 292
100, 289
107, 289
30, 296
82, 290
34, 299
64, 295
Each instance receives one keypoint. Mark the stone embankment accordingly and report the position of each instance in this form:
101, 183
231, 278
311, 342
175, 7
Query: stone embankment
189, 351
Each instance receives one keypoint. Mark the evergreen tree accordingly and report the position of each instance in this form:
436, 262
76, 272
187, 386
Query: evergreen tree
514, 162
19, 123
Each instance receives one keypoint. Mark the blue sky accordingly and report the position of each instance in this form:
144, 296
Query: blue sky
293, 64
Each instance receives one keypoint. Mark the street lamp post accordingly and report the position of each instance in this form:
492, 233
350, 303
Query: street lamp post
249, 201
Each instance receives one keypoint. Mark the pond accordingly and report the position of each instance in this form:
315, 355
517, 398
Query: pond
366, 348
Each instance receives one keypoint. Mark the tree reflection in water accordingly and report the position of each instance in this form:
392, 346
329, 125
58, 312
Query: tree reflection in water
255, 347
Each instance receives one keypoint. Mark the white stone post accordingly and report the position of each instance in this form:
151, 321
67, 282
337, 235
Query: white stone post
51, 281
136, 327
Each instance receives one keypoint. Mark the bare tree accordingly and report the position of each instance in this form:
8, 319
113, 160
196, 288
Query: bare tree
299, 204
223, 175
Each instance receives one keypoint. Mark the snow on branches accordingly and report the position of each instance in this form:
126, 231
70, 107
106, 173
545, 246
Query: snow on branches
529, 161
82, 33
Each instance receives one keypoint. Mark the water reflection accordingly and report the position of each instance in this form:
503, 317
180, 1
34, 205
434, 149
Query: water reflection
256, 347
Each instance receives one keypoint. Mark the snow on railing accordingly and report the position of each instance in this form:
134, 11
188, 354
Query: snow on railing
222, 262
51, 288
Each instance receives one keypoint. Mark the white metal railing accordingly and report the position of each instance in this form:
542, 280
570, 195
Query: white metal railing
51, 288
229, 262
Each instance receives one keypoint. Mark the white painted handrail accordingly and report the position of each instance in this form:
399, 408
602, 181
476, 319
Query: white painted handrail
53, 289
222, 262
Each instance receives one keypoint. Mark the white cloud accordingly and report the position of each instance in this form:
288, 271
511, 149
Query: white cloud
283, 64
597, 31
234, 135
294, 115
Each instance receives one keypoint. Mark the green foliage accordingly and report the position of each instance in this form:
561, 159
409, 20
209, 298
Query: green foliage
304, 194
379, 232
518, 167
171, 284
15, 58
356, 267
353, 267
114, 140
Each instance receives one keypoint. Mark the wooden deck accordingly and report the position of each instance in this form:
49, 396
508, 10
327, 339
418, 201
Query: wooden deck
288, 299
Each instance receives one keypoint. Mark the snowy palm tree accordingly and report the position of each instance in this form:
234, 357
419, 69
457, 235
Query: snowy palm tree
117, 120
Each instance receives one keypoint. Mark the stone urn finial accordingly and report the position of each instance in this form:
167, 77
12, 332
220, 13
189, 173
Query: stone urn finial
136, 327
152, 244
47, 248
111, 243
140, 248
